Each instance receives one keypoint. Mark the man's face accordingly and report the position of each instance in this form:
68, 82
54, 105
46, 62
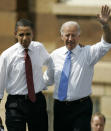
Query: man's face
70, 36
24, 35
97, 124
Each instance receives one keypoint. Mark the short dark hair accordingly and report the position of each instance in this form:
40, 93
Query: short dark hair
23, 22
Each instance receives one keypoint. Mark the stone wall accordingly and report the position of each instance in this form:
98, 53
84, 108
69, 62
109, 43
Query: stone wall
7, 22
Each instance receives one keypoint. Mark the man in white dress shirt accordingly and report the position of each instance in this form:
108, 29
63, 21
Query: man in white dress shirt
19, 108
73, 111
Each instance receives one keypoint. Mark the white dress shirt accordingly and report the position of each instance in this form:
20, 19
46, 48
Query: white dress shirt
12, 68
83, 60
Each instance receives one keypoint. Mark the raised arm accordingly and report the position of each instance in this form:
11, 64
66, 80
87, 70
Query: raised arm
103, 18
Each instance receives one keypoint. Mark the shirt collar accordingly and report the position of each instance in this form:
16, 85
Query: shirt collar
74, 51
21, 48
65, 50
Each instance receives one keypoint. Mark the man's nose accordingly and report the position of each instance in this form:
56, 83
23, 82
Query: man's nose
70, 37
98, 126
24, 37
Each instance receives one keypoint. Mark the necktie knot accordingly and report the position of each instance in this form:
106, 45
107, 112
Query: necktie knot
69, 52
26, 53
26, 50
68, 55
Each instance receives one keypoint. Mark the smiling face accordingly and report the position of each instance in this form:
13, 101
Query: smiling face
70, 36
24, 35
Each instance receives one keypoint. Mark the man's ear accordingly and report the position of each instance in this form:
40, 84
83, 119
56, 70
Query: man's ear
32, 34
15, 33
61, 36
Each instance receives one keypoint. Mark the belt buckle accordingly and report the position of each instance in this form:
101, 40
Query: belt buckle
67, 102
81, 100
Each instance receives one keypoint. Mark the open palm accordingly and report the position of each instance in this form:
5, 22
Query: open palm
104, 16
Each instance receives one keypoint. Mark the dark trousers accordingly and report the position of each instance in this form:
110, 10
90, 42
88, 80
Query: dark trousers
20, 110
73, 116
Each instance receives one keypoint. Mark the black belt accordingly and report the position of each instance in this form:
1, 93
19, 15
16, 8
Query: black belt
73, 102
23, 96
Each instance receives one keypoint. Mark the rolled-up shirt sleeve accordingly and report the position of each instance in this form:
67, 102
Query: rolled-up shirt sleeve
2, 75
97, 51
49, 74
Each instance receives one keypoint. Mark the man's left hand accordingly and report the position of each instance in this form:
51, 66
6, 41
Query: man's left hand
104, 16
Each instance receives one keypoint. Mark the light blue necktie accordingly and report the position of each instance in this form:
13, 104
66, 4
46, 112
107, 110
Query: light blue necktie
62, 91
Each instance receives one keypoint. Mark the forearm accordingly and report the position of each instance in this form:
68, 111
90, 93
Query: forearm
106, 33
3, 75
48, 78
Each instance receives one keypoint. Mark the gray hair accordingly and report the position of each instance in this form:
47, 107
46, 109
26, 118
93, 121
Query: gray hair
70, 23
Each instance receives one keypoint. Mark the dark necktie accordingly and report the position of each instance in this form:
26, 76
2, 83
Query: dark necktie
29, 77
63, 86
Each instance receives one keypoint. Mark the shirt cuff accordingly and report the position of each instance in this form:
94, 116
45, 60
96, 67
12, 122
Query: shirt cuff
104, 42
